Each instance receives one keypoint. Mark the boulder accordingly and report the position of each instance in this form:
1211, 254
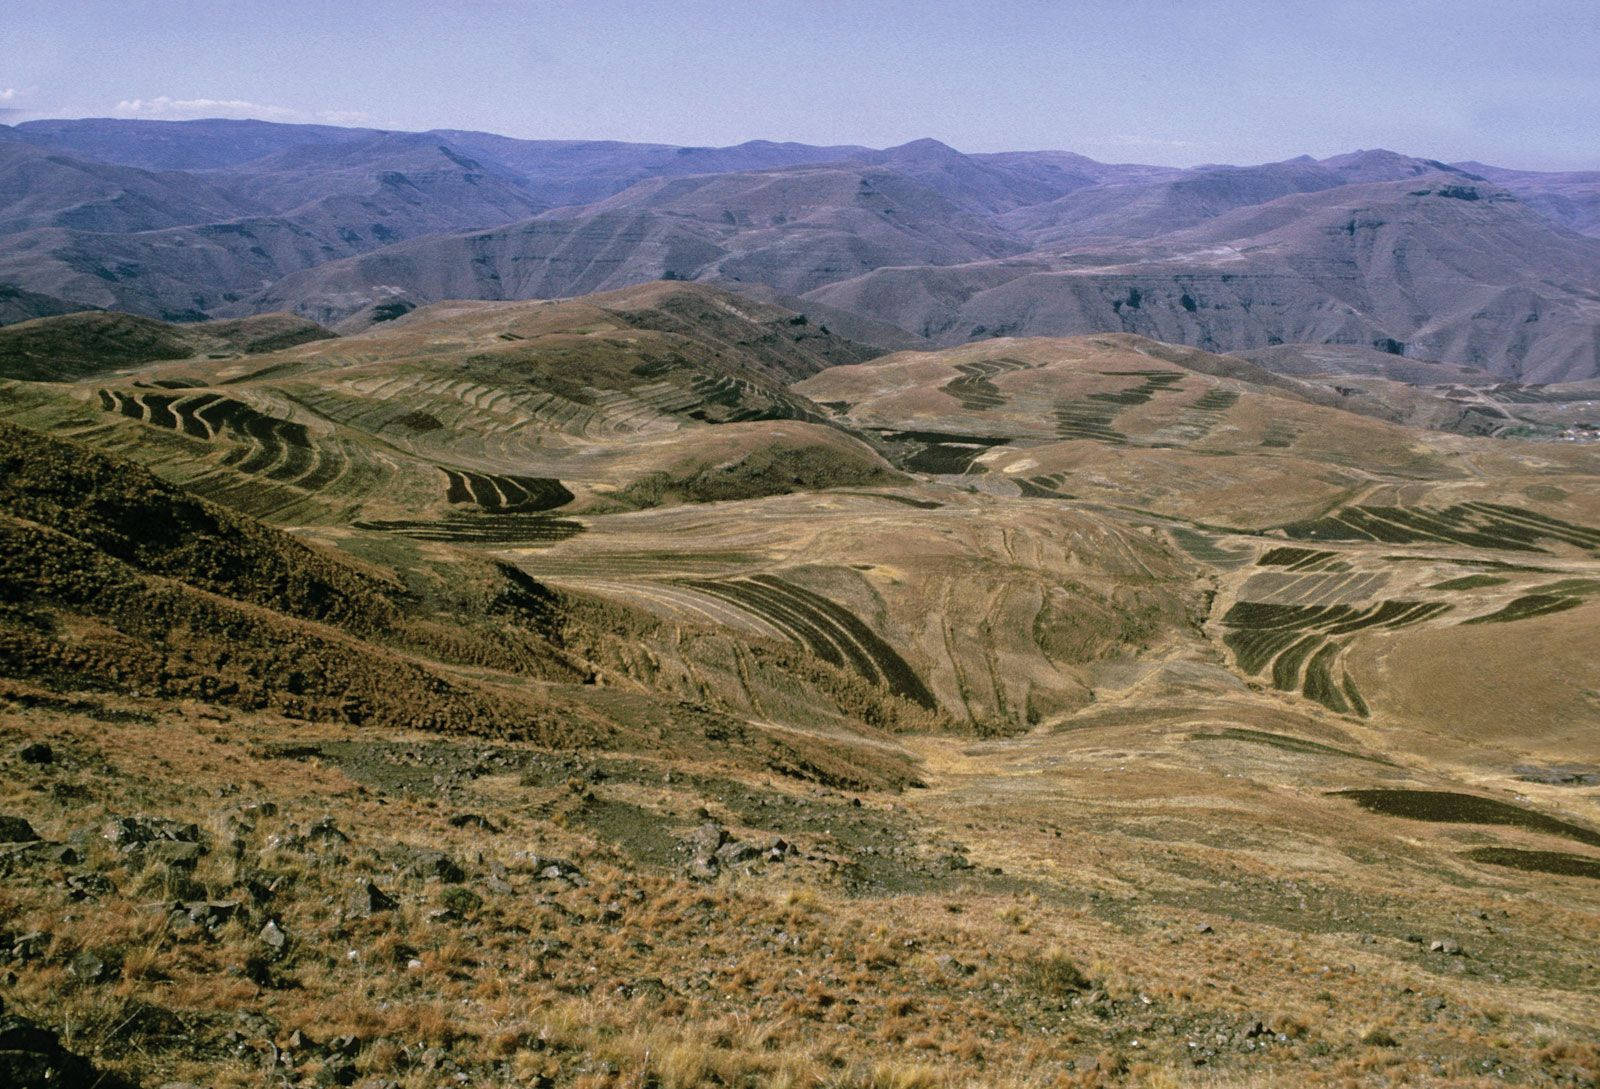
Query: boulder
367, 899
16, 830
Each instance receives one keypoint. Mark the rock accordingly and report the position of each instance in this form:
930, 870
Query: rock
325, 831
129, 833
274, 938
425, 862
704, 869
367, 899
551, 869
59, 853
29, 946
472, 820
950, 966
704, 841
778, 850
84, 886
1204, 928
1447, 946
175, 854
210, 914
91, 966
16, 830
735, 852
37, 752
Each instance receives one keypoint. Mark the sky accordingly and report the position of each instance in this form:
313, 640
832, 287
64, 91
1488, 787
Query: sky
1510, 82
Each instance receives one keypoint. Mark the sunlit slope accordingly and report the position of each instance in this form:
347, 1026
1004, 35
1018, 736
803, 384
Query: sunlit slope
1329, 538
488, 410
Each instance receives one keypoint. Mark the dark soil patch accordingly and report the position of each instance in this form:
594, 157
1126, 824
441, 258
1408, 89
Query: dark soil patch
1282, 741
1448, 807
1538, 861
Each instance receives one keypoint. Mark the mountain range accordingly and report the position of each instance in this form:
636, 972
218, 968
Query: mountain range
1464, 263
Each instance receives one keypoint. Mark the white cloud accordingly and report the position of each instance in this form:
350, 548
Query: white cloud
9, 94
179, 109
343, 117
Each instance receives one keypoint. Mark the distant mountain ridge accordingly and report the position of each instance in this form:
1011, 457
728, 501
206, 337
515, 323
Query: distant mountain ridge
1469, 263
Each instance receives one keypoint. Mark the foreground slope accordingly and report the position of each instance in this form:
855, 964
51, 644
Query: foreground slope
1083, 712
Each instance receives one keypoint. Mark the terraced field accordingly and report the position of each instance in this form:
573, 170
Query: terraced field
826, 629
1475, 524
975, 389
503, 494
1154, 382
1302, 643
1208, 549
1087, 420
521, 530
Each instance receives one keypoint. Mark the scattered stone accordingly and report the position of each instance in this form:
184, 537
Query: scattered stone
704, 841
734, 852
1448, 946
473, 820
325, 831
175, 854
84, 886
131, 833
367, 899
1204, 928
26, 947
425, 862
210, 914
91, 966
552, 869
61, 854
16, 830
38, 752
274, 938
953, 967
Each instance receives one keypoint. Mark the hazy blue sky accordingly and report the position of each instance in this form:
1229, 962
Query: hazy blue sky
1515, 82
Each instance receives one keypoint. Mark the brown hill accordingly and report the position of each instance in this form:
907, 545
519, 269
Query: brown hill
62, 348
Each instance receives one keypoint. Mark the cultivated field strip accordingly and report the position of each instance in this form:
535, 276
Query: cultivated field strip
1202, 417
1208, 550
1324, 588
1476, 525
677, 601
521, 530
826, 629
1300, 559
1302, 643
504, 494
1527, 607
273, 466
1046, 486
975, 388
1154, 382
628, 565
1087, 420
